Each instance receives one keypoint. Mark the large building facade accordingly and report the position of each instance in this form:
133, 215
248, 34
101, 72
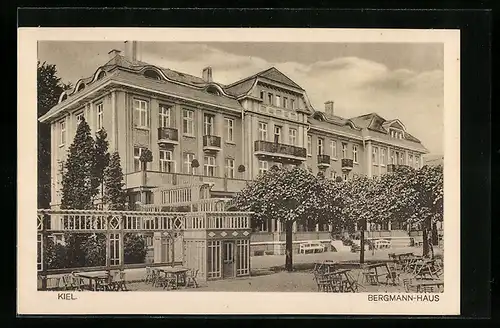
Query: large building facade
235, 132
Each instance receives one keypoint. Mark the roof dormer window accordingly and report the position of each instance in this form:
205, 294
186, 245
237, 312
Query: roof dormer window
396, 134
150, 74
81, 87
101, 75
213, 90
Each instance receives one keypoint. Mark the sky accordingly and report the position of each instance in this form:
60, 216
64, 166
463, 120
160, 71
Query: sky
395, 80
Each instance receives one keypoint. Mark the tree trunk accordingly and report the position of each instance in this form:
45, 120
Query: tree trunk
288, 246
362, 243
425, 237
435, 236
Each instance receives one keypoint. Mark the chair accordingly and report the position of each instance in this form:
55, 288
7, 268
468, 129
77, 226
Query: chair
77, 282
427, 289
105, 284
392, 274
119, 281
155, 273
191, 278
148, 278
370, 277
67, 282
407, 284
165, 280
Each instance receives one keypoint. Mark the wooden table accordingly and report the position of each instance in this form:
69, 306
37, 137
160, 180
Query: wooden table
375, 267
179, 273
424, 267
344, 274
328, 264
93, 278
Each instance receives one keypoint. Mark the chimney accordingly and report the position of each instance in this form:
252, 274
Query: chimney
113, 53
329, 108
207, 74
131, 50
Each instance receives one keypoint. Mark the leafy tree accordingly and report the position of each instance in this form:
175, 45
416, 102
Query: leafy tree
135, 249
101, 161
114, 194
146, 157
49, 88
77, 189
285, 194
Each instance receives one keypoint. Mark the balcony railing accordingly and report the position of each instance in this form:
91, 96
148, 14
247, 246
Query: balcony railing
168, 135
211, 142
347, 164
324, 160
279, 149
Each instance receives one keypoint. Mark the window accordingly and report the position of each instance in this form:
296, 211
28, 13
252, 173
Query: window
210, 166
401, 158
230, 168
208, 124
262, 95
375, 156
320, 146
229, 123
188, 122
99, 116
62, 137
417, 161
263, 167
141, 109
79, 118
167, 163
333, 148
393, 159
285, 102
164, 116
270, 98
354, 153
382, 157
333, 175
309, 145
263, 131
292, 103
277, 133
410, 160
188, 159
292, 136
345, 176
344, 150
278, 101
137, 156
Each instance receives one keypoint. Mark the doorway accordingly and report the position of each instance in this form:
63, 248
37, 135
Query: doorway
228, 259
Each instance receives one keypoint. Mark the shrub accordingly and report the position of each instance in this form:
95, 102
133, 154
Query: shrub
135, 249
258, 253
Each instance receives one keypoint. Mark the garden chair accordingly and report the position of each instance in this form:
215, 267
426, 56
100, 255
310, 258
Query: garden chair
155, 273
148, 278
77, 282
427, 289
105, 284
67, 282
165, 280
392, 275
407, 283
191, 278
119, 281
370, 277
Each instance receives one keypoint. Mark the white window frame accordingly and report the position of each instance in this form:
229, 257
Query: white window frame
321, 146
309, 145
292, 103
210, 166
292, 136
208, 124
345, 176
262, 131
142, 109
229, 123
278, 131
262, 95
229, 168
355, 153
188, 122
333, 175
375, 156
333, 148
165, 116
278, 101
270, 98
99, 110
344, 150
410, 160
79, 117
62, 132
166, 157
188, 159
285, 102
263, 167
417, 161
137, 158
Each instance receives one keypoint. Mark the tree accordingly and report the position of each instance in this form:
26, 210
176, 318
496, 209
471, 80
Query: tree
49, 88
285, 194
114, 194
77, 189
101, 161
135, 248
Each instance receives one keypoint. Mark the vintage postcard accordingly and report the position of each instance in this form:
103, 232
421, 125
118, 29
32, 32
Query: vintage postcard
238, 171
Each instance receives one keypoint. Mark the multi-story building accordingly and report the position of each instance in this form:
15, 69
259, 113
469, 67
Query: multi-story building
235, 132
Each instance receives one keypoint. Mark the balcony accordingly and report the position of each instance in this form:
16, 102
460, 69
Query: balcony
279, 151
323, 161
168, 136
347, 164
211, 143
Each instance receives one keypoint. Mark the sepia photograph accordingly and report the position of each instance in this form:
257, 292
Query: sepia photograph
250, 166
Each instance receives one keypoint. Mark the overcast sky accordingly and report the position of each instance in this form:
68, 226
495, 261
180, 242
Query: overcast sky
402, 81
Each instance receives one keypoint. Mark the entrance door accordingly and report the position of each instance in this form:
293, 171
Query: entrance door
228, 259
